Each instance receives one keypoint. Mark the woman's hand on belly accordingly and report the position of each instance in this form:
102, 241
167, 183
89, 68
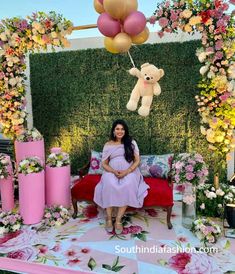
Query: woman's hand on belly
122, 173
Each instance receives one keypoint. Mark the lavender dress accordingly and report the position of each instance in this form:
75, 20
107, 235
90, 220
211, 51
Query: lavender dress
127, 191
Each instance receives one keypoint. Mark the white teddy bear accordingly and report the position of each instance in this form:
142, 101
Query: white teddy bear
146, 86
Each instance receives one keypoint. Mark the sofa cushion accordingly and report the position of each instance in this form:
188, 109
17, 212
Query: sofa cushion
156, 166
159, 194
95, 163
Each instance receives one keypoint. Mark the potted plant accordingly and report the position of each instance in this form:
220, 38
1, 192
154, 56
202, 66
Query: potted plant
189, 170
6, 183
58, 178
29, 143
31, 190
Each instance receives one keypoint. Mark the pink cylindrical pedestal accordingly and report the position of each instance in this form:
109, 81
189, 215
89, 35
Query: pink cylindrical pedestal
32, 197
7, 189
29, 149
58, 186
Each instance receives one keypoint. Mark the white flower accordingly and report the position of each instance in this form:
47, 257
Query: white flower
16, 227
3, 37
202, 57
211, 195
220, 192
219, 205
13, 82
204, 69
2, 230
202, 206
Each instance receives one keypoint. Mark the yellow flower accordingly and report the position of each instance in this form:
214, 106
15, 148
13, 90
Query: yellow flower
53, 34
194, 20
186, 13
37, 25
187, 28
209, 22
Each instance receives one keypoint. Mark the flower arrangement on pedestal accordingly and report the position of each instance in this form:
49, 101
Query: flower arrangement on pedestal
57, 158
217, 86
17, 37
29, 135
189, 168
4, 162
58, 177
30, 165
10, 222
206, 230
55, 216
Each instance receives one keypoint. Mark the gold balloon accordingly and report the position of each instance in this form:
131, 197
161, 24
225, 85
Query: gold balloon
108, 43
98, 7
122, 42
114, 7
141, 37
130, 5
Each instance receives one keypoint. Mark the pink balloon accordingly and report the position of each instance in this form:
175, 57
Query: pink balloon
107, 25
134, 23
101, 1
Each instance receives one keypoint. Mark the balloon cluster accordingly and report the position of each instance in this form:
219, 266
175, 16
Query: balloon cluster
121, 23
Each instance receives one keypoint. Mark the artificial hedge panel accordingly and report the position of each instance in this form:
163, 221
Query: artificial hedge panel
78, 94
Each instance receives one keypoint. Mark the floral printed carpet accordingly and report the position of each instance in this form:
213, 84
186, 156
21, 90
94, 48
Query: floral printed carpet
146, 245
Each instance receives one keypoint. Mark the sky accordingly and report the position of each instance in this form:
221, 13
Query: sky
80, 12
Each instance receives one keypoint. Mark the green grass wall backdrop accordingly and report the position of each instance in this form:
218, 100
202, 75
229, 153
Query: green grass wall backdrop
78, 94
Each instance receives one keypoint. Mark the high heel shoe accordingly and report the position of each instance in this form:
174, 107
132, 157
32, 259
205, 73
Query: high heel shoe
109, 226
118, 231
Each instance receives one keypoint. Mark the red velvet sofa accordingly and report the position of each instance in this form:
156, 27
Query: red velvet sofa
160, 193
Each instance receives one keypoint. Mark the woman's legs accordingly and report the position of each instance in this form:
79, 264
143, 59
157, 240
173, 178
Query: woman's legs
109, 223
120, 213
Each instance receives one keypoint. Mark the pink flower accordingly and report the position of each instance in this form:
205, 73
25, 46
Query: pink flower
95, 164
151, 212
174, 15
90, 211
56, 248
182, 239
70, 253
152, 20
218, 44
125, 231
190, 176
189, 168
179, 261
24, 254
163, 22
134, 229
43, 249
180, 188
85, 250
232, 2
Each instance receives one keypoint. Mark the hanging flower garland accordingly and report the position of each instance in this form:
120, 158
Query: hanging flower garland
17, 37
217, 86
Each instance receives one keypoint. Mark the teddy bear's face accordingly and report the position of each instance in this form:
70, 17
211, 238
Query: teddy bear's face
151, 74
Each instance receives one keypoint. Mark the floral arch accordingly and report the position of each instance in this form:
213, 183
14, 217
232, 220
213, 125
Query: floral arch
17, 37
216, 100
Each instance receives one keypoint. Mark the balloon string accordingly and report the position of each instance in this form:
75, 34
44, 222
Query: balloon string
132, 61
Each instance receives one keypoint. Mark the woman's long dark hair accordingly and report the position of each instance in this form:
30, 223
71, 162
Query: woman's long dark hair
126, 140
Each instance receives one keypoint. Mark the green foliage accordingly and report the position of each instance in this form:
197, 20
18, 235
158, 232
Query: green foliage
78, 94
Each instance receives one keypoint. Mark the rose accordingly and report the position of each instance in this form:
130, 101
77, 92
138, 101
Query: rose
135, 229
179, 261
24, 254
